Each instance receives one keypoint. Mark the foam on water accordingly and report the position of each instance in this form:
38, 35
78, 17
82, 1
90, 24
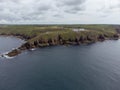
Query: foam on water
4, 55
33, 49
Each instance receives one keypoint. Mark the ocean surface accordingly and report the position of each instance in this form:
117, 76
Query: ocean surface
9, 43
85, 67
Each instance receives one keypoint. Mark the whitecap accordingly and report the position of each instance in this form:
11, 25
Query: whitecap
4, 55
32, 49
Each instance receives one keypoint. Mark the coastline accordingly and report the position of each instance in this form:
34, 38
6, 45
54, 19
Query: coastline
22, 41
46, 36
30, 46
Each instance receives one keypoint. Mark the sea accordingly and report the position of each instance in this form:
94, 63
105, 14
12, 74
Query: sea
83, 67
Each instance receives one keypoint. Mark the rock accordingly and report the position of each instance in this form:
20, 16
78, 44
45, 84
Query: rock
14, 53
101, 37
116, 36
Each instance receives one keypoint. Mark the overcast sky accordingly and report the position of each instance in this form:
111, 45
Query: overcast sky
59, 11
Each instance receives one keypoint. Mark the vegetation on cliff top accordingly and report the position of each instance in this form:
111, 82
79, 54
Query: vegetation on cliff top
48, 35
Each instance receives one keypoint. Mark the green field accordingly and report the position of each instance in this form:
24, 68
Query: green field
50, 31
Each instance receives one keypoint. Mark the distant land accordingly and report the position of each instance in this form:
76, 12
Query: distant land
38, 36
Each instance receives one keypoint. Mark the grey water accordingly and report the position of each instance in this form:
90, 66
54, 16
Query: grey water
85, 67
7, 43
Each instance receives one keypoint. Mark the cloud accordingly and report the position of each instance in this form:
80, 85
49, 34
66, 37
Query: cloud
71, 6
71, 2
21, 10
74, 9
110, 6
64, 11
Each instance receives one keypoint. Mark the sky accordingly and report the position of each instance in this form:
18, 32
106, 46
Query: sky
59, 11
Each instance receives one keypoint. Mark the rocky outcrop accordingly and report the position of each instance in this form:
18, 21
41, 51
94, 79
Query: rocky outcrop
60, 41
14, 53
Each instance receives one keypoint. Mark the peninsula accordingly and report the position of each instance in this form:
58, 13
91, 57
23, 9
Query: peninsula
38, 36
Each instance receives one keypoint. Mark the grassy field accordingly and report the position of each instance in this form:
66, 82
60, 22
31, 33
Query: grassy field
48, 31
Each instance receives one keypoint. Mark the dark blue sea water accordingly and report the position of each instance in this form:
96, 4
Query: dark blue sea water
86, 67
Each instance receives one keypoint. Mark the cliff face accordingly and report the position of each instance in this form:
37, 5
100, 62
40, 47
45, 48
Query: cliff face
59, 40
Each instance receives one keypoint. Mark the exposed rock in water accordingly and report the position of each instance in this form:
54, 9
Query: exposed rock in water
14, 53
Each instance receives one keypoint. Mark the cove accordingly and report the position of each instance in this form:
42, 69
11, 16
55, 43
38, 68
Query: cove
8, 43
